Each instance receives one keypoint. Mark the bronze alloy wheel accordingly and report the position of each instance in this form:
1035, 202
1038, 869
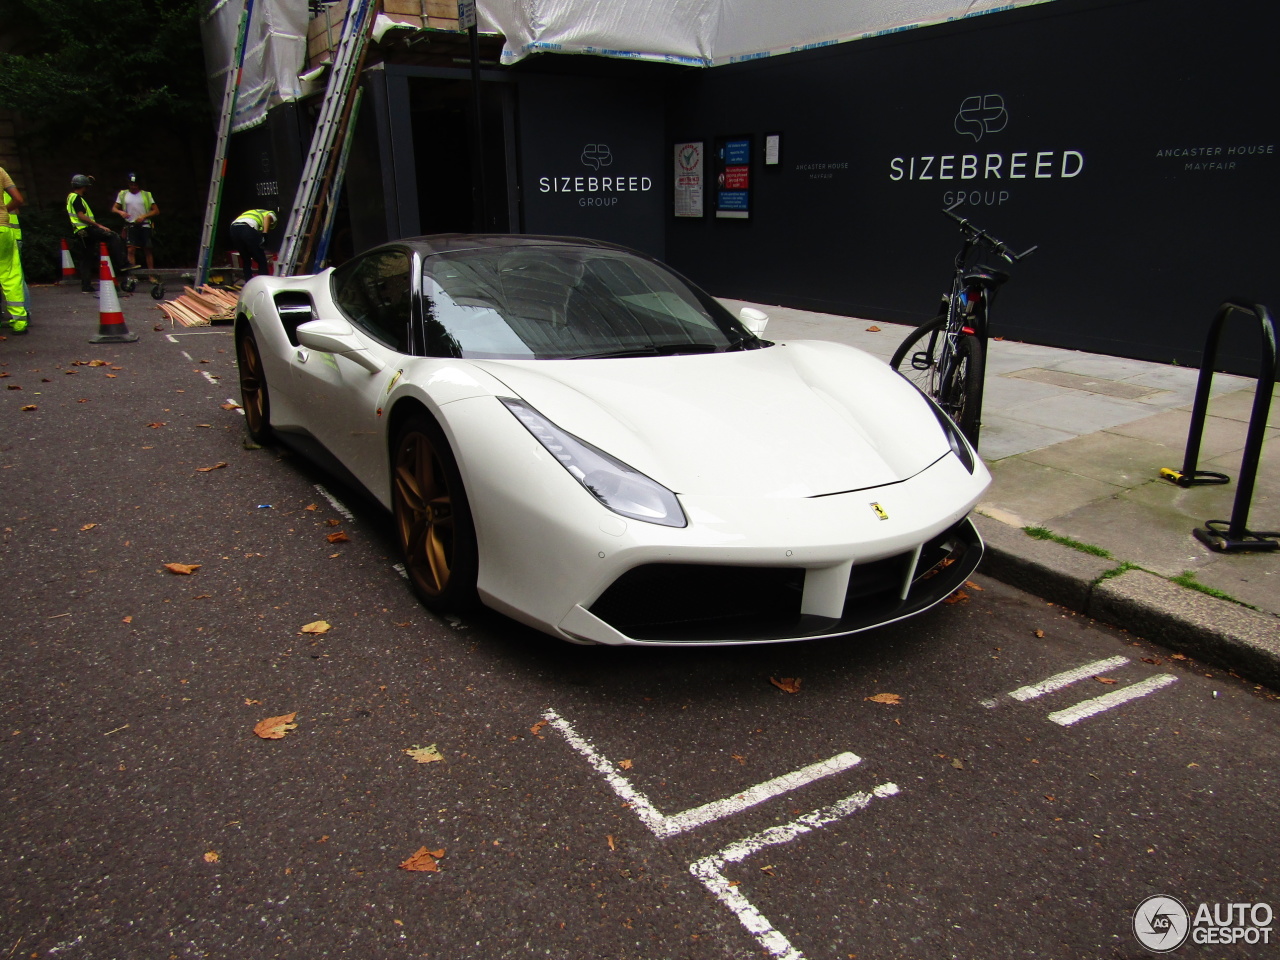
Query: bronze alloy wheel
253, 388
433, 522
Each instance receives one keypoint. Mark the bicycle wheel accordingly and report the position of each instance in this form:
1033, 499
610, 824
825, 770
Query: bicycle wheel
918, 361
961, 396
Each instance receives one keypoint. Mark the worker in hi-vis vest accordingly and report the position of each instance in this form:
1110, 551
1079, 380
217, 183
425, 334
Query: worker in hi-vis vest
88, 233
12, 285
137, 206
247, 233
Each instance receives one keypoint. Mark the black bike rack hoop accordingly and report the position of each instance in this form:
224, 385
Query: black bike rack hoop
1234, 535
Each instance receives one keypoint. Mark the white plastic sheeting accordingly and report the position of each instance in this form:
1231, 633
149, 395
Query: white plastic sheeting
275, 52
708, 32
700, 33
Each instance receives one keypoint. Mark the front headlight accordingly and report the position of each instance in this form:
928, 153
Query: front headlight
958, 441
621, 488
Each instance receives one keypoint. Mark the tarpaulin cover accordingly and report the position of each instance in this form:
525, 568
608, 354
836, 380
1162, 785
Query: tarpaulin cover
700, 33
275, 52
709, 32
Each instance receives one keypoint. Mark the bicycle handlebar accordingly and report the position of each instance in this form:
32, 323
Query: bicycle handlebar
978, 235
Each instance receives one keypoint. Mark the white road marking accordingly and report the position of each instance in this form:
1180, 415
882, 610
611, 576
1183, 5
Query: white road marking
709, 869
399, 568
209, 376
171, 338
1067, 677
1087, 708
239, 409
667, 826
190, 358
335, 503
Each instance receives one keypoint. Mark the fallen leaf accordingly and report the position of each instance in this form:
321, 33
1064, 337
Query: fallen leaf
339, 537
1106, 680
184, 569
1049, 796
332, 522
424, 861
536, 729
425, 754
335, 556
13, 386
873, 329
1155, 661
625, 764
248, 702
211, 857
1039, 633
1177, 656
609, 837
311, 506
958, 597
890, 698
787, 684
217, 466
96, 363
87, 526
29, 407
155, 425
230, 406
957, 763
274, 728
972, 586
742, 761
111, 375
127, 620
317, 626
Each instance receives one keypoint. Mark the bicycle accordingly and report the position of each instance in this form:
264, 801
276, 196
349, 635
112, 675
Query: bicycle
952, 367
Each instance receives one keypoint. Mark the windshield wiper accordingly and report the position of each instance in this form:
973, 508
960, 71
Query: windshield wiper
657, 350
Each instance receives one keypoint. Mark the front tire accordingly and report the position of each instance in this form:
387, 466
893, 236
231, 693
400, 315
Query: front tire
965, 390
917, 356
254, 397
432, 518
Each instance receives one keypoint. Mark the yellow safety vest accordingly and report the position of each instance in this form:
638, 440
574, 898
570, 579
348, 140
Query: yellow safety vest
76, 223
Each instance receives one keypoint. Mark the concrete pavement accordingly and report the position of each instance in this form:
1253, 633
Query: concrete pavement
1075, 443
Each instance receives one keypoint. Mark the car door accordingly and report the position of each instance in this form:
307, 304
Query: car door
374, 294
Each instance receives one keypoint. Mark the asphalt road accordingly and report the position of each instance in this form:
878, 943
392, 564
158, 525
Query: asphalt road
590, 802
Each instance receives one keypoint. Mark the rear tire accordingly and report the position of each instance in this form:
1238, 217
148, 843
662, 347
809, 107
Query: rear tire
961, 396
432, 518
965, 390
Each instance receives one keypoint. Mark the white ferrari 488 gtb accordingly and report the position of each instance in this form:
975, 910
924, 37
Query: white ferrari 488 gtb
574, 435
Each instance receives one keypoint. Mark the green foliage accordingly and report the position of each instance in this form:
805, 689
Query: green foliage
89, 68
1188, 579
1043, 533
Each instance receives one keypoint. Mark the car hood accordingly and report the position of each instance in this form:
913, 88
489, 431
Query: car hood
799, 419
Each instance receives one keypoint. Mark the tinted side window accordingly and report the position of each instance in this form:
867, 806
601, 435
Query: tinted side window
375, 293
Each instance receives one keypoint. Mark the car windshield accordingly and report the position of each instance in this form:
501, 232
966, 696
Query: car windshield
562, 302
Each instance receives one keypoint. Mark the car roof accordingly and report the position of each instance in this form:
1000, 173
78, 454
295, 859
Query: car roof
455, 242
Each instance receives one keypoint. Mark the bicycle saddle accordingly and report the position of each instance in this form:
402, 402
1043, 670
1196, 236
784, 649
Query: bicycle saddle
989, 277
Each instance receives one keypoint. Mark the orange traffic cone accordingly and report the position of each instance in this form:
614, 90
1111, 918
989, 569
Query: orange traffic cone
111, 325
68, 265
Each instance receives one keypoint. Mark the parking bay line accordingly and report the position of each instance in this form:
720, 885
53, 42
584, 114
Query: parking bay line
709, 870
1087, 708
1067, 677
664, 825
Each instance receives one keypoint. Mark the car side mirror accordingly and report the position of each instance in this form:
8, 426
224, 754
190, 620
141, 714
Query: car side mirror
754, 320
337, 337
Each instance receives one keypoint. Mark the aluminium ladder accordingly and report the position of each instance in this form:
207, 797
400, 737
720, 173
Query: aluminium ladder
219, 174
334, 113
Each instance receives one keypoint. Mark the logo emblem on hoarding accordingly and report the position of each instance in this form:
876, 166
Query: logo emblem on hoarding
596, 155
979, 115
1161, 923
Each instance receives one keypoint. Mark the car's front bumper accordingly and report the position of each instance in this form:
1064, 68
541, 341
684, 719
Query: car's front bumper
742, 571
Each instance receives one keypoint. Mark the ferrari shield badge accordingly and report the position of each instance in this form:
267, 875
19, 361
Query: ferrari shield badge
880, 511
386, 391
